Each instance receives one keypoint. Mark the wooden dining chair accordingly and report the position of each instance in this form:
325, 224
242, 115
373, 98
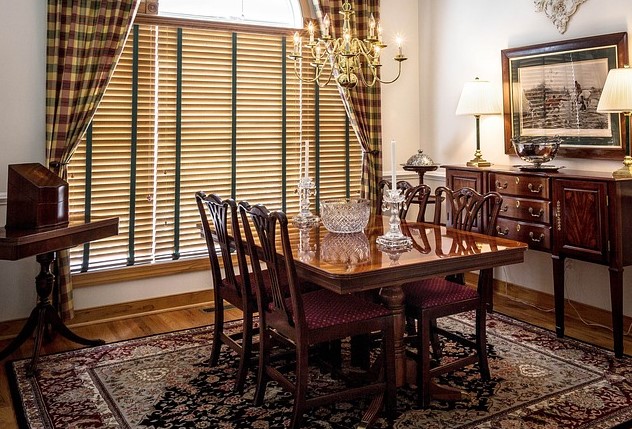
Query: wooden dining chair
305, 319
419, 195
220, 224
427, 300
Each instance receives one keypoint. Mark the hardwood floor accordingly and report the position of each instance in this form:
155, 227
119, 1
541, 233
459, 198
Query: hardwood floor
166, 321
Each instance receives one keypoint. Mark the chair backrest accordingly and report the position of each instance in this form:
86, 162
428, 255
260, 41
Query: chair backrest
279, 262
468, 210
412, 195
220, 224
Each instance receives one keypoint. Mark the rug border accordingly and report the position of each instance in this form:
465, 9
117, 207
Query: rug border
16, 398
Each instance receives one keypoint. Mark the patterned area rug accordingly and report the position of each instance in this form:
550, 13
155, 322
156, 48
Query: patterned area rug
164, 381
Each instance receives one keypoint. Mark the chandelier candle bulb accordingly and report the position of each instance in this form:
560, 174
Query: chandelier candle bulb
297, 43
399, 46
326, 23
310, 28
372, 27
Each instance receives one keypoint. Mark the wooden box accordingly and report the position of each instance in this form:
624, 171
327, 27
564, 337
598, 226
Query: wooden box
36, 198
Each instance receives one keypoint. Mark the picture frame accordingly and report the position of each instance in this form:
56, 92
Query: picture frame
552, 89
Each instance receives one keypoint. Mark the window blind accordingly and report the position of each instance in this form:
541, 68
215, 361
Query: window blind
193, 109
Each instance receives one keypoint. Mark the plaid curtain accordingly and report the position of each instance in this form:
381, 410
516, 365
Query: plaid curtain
363, 104
85, 40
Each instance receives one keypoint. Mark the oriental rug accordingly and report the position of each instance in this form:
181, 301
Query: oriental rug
164, 381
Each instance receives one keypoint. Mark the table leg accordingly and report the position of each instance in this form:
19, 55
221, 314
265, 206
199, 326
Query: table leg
616, 303
393, 297
43, 315
558, 293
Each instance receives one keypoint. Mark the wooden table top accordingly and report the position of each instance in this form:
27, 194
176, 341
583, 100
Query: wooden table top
18, 243
347, 263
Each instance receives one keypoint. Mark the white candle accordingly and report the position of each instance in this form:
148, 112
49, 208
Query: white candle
306, 158
300, 159
393, 176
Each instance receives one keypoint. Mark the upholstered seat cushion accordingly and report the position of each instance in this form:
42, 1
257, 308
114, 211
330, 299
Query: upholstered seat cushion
436, 292
324, 308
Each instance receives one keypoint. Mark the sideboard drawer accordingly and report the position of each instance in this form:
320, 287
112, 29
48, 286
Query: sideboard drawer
520, 184
537, 236
526, 209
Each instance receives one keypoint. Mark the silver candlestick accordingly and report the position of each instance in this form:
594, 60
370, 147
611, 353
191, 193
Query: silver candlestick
305, 218
393, 239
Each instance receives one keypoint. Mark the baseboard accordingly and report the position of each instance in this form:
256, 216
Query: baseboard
126, 310
108, 313
546, 303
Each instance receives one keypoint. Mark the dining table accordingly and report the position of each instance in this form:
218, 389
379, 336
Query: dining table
353, 262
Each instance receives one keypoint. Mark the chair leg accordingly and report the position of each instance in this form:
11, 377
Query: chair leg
481, 342
264, 359
423, 364
246, 352
218, 328
434, 338
302, 376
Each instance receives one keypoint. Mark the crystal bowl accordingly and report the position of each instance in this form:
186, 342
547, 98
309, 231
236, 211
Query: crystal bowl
345, 215
537, 151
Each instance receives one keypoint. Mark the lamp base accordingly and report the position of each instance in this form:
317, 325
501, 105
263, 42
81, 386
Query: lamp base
478, 160
626, 170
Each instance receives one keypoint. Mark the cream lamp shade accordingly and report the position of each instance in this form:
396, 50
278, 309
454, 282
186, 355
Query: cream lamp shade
616, 97
478, 98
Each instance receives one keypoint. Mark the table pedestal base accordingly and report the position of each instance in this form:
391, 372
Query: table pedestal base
43, 316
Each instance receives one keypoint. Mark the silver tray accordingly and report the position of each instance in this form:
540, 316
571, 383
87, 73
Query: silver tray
529, 167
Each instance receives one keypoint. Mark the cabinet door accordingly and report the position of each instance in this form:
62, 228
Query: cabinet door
457, 179
580, 228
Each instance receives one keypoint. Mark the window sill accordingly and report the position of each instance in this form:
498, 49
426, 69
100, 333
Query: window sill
140, 272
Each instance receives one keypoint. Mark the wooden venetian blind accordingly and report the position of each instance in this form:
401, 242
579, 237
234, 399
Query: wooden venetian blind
193, 109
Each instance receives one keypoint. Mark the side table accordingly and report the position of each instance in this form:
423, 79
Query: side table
18, 244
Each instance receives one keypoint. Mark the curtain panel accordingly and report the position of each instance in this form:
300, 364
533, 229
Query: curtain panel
363, 104
85, 40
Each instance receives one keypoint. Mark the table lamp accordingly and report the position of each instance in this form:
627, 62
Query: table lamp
616, 97
478, 98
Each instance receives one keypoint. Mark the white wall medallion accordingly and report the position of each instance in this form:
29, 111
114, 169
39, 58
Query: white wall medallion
558, 11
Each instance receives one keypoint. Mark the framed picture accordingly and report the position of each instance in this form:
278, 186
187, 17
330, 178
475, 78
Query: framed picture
552, 89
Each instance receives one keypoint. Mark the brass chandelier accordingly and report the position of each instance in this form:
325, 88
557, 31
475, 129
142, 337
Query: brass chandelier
348, 59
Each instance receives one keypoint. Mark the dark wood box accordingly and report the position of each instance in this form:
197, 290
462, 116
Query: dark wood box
36, 198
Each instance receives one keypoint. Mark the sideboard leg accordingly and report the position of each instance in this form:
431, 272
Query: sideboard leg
558, 291
616, 302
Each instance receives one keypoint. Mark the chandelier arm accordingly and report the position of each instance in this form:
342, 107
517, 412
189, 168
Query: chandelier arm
363, 78
399, 72
322, 85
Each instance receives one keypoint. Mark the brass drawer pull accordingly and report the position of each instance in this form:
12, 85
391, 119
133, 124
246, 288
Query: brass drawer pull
537, 240
539, 214
504, 209
501, 232
535, 191
500, 185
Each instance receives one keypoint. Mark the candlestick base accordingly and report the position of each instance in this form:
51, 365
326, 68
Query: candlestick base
305, 218
394, 239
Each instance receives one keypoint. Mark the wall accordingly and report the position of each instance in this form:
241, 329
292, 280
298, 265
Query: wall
467, 37
448, 42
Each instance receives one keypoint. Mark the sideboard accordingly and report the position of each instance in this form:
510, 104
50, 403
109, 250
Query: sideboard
569, 213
